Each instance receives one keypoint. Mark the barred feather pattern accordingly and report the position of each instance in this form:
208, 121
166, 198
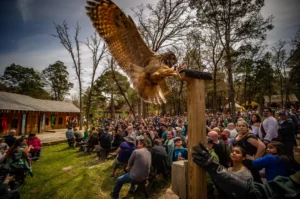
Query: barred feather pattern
128, 48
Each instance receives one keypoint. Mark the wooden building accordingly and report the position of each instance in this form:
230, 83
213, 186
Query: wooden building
27, 114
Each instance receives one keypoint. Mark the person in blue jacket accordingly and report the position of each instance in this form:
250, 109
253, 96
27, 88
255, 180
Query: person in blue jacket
276, 162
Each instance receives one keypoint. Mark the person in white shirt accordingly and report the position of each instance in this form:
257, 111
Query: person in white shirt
232, 130
269, 127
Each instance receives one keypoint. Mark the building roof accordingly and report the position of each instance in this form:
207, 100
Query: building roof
277, 98
12, 101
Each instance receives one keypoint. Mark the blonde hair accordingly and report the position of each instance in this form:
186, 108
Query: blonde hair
243, 122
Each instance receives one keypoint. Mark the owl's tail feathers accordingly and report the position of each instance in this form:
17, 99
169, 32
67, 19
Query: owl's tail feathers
153, 94
150, 92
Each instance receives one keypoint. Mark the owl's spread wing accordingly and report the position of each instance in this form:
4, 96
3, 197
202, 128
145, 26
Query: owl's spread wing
120, 33
126, 46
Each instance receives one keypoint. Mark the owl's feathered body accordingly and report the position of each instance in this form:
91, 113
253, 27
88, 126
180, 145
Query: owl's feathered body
146, 70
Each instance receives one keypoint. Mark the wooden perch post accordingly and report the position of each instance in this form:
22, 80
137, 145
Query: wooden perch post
196, 129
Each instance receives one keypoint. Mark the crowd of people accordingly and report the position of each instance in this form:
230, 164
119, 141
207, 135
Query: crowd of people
16, 155
255, 146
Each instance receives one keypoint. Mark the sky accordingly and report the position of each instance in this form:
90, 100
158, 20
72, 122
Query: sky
27, 25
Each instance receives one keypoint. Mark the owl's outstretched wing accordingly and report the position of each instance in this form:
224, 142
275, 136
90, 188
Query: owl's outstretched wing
120, 33
126, 46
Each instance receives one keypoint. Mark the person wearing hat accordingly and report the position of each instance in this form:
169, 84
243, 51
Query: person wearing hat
236, 187
138, 169
286, 132
180, 153
124, 152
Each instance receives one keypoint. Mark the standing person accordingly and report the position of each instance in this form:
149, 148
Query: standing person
255, 123
10, 138
36, 144
70, 137
169, 145
286, 132
238, 155
268, 128
220, 148
180, 153
164, 133
210, 184
74, 122
138, 169
251, 145
233, 131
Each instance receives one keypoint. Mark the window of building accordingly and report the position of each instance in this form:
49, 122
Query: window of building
47, 121
60, 120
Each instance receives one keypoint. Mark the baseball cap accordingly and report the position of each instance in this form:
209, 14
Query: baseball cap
177, 138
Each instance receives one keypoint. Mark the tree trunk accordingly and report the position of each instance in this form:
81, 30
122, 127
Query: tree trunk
121, 90
215, 90
139, 109
112, 106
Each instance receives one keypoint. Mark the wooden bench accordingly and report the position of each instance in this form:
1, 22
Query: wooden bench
141, 188
106, 152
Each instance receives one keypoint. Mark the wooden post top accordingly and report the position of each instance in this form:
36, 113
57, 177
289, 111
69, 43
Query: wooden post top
195, 74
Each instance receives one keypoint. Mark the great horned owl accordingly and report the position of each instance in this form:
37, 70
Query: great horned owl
146, 69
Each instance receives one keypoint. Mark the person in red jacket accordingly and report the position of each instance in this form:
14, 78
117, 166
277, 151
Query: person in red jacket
36, 144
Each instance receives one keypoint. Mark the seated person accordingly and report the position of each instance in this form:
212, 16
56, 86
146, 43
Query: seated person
10, 139
118, 138
180, 153
105, 140
159, 158
138, 169
4, 189
36, 144
18, 159
78, 135
124, 152
237, 156
93, 140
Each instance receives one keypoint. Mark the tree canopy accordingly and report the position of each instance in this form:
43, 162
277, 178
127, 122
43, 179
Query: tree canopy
23, 80
56, 76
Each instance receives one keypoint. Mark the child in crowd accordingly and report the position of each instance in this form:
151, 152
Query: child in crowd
237, 156
276, 163
180, 153
36, 144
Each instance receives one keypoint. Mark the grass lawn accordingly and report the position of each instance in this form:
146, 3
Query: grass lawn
67, 173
